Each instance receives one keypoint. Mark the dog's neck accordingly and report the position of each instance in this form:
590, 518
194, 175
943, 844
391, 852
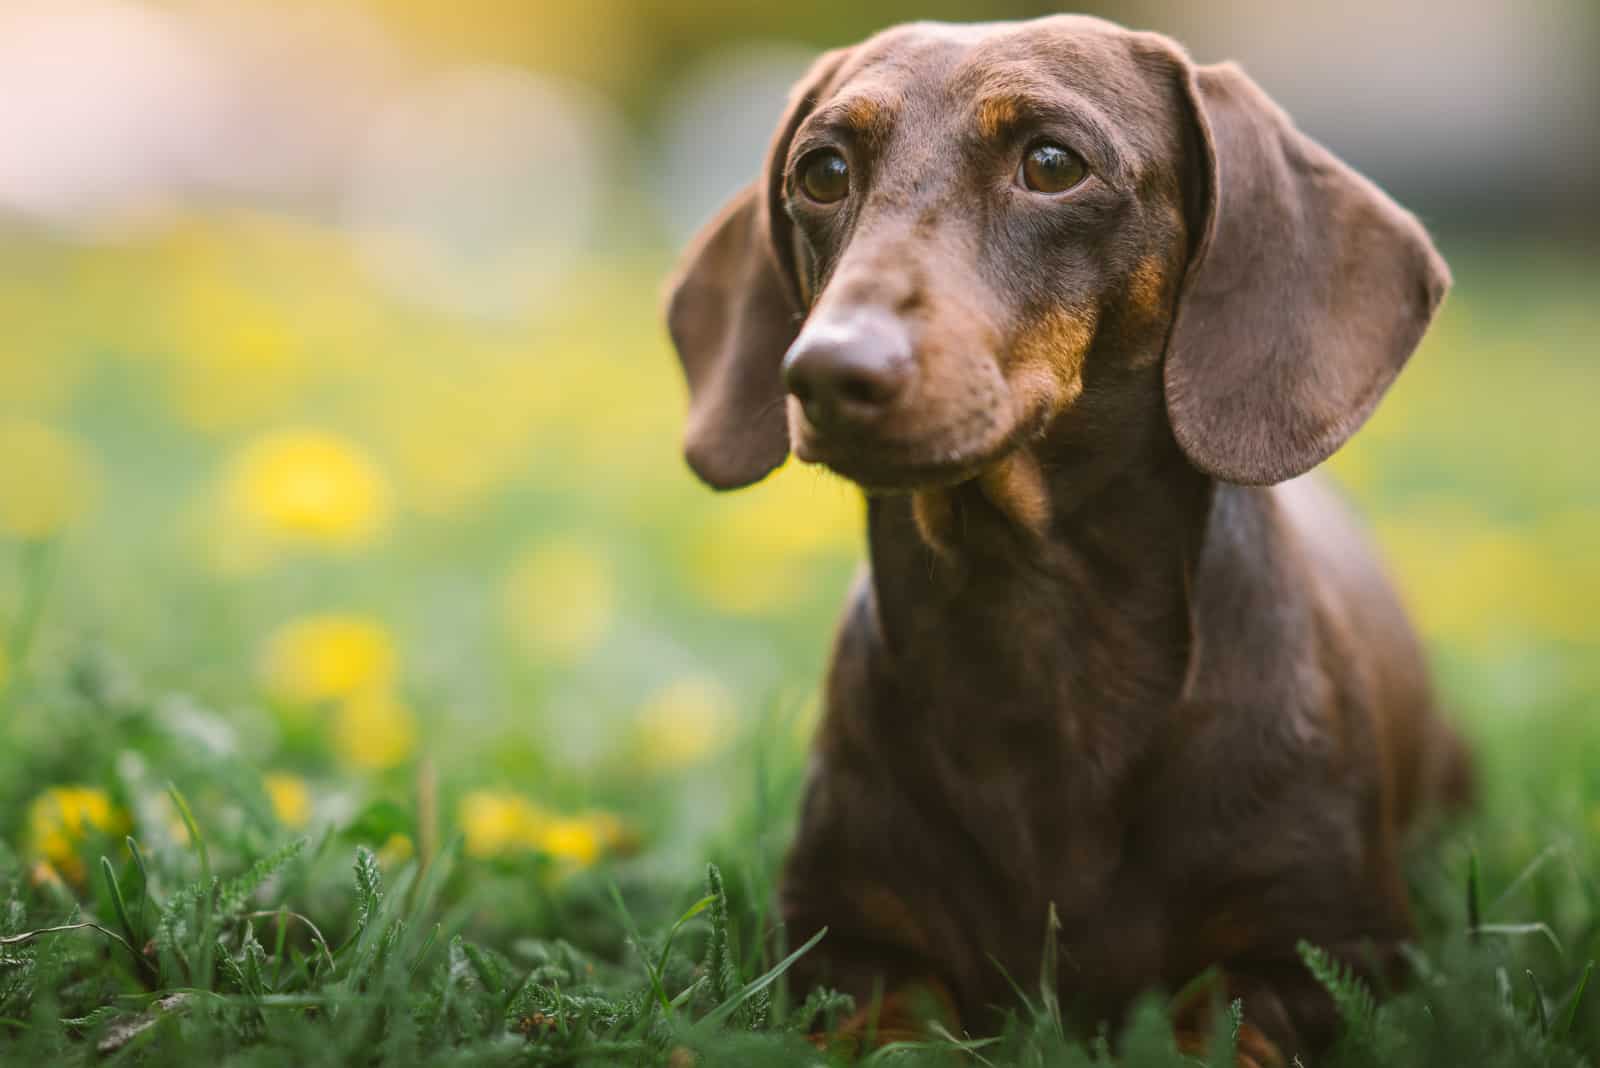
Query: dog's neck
1058, 582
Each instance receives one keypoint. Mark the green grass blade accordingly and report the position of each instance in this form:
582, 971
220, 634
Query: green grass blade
1474, 913
1050, 972
1541, 1012
632, 929
144, 882
1571, 1019
1517, 930
120, 907
755, 986
193, 828
117, 903
694, 910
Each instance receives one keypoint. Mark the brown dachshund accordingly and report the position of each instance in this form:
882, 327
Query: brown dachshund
1076, 313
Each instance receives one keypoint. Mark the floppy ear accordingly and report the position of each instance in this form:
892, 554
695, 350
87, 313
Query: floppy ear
734, 308
1306, 293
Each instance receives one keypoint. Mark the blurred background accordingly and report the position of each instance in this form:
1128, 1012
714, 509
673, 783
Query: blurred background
338, 428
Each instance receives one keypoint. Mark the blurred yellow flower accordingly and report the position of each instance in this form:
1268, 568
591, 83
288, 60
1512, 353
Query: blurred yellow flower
39, 363
573, 840
61, 817
457, 432
235, 365
1477, 580
396, 849
325, 657
373, 731
290, 797
559, 600
497, 822
307, 486
682, 723
46, 480
752, 558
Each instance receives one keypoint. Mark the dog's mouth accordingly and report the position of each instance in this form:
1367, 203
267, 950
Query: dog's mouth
946, 456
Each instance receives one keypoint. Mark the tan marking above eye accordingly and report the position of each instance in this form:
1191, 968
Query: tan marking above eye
996, 115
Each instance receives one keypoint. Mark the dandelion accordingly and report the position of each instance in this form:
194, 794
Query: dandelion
309, 487
290, 797
754, 559
496, 822
581, 840
682, 723
237, 366
328, 657
574, 840
396, 850
46, 480
373, 731
62, 817
559, 600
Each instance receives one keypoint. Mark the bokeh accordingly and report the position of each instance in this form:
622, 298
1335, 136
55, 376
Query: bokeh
338, 424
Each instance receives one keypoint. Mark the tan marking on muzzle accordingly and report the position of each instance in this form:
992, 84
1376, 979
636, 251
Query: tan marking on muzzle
1147, 286
1016, 485
1046, 372
933, 511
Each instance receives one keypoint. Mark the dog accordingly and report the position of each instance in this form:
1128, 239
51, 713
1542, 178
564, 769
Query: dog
1079, 315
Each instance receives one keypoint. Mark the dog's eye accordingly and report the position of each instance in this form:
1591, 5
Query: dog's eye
825, 176
1051, 168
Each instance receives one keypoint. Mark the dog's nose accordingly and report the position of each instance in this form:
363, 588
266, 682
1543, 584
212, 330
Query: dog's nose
849, 369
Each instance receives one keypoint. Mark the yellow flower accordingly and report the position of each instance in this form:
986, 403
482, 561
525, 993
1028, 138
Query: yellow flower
753, 557
61, 817
40, 362
682, 723
374, 731
46, 480
290, 796
396, 849
572, 840
497, 822
559, 600
579, 841
239, 365
326, 657
307, 486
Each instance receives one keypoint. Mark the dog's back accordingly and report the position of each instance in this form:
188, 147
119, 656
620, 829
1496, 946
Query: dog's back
1427, 768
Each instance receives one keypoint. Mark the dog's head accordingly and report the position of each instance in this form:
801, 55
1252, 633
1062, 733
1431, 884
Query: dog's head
967, 237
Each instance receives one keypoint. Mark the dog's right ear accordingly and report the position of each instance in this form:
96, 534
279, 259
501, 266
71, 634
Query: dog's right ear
733, 309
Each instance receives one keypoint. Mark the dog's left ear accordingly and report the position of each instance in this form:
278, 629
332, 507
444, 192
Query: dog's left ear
1307, 290
733, 310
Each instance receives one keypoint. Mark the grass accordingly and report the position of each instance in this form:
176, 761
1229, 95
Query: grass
597, 679
250, 946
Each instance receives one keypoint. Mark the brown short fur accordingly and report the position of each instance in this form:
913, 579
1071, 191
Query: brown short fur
1112, 653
